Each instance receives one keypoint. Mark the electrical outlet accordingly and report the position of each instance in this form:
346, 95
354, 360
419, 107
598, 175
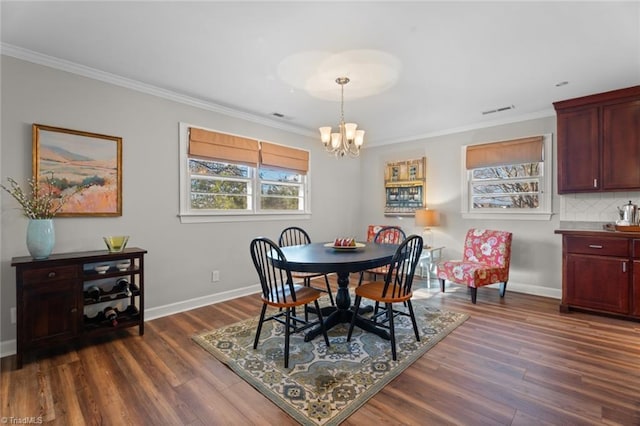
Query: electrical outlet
13, 315
215, 276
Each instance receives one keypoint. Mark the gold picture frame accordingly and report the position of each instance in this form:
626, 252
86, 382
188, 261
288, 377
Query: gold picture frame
86, 165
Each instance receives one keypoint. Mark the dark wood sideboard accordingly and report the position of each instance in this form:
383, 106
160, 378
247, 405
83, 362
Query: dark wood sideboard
601, 272
54, 305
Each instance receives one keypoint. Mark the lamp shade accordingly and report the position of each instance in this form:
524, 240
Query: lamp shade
426, 217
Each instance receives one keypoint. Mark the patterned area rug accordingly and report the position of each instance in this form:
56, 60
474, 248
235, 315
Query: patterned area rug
324, 386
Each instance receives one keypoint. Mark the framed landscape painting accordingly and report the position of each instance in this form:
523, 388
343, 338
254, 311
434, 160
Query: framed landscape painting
85, 167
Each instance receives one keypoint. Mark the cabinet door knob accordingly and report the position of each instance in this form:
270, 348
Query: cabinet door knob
595, 246
52, 274
74, 310
595, 183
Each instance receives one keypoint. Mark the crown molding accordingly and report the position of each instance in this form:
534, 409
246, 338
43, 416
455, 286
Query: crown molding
485, 124
74, 68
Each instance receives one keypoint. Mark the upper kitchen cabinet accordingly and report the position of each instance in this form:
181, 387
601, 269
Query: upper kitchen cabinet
599, 142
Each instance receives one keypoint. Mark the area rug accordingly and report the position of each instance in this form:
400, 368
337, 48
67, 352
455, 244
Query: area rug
324, 386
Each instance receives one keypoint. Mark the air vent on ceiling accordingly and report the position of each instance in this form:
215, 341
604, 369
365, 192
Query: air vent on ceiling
493, 111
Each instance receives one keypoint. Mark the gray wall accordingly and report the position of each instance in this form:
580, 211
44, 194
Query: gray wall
181, 256
346, 195
536, 265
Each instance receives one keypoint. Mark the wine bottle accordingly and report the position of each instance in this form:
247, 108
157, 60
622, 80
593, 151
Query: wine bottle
124, 286
132, 310
111, 315
93, 293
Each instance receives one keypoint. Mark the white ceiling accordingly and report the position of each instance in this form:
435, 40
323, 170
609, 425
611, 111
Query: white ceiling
454, 60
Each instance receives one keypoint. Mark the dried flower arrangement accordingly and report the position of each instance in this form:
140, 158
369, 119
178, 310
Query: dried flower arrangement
42, 201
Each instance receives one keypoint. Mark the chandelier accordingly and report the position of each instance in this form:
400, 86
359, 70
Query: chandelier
348, 140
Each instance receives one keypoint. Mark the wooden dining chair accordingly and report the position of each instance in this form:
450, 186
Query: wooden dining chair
279, 291
385, 235
395, 289
295, 236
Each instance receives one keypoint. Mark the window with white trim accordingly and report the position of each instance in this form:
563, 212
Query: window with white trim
228, 177
508, 179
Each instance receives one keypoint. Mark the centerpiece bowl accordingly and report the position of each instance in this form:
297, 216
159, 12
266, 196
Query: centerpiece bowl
117, 243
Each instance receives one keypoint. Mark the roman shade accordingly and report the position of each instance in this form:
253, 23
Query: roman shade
223, 147
283, 157
517, 151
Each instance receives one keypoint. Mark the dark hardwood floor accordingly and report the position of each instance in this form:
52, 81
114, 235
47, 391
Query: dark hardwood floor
516, 361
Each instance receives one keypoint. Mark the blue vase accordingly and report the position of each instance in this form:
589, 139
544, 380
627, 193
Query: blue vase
40, 238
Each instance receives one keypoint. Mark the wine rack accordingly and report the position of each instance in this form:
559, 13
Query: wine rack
111, 295
126, 318
54, 305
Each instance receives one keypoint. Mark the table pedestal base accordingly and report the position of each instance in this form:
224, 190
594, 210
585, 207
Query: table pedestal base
343, 313
342, 316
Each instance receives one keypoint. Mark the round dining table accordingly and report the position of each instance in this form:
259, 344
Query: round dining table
324, 258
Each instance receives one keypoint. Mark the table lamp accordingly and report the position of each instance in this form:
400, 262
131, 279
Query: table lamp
427, 218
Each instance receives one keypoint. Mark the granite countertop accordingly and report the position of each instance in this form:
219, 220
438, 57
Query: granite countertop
585, 226
594, 229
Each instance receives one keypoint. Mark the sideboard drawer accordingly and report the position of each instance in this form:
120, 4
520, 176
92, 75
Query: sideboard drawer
45, 275
597, 246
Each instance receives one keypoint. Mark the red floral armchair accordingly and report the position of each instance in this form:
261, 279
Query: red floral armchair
486, 259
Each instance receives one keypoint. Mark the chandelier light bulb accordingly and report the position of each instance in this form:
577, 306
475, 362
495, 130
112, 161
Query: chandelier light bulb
336, 140
325, 135
350, 131
359, 139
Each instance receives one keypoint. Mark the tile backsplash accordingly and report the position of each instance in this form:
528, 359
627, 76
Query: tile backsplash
596, 207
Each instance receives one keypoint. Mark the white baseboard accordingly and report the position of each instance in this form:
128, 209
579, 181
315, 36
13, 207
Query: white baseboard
198, 302
534, 290
8, 347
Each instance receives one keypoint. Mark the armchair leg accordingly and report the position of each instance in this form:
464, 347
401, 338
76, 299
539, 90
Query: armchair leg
441, 285
503, 288
474, 293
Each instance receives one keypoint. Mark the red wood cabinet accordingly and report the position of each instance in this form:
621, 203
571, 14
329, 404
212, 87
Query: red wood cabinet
601, 272
597, 140
597, 282
578, 151
635, 283
621, 146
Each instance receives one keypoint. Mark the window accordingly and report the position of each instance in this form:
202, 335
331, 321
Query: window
231, 178
507, 179
281, 190
219, 186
